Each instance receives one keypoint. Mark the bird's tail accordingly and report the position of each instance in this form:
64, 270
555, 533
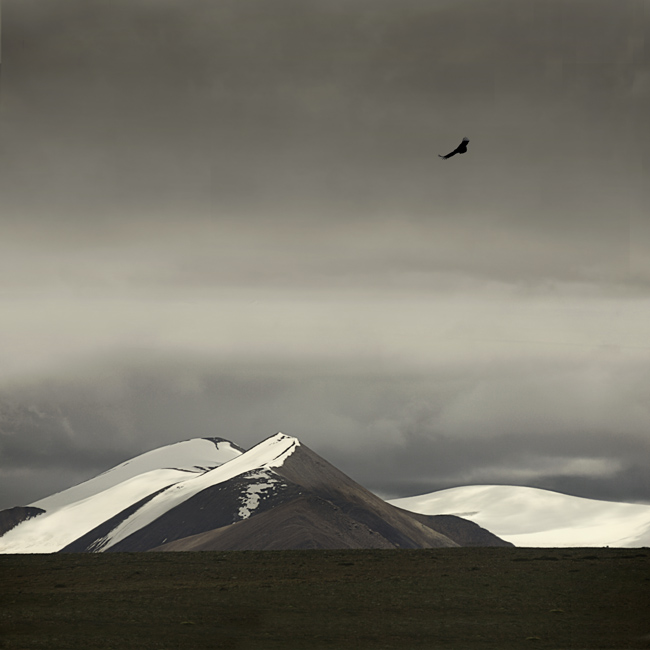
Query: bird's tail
439, 156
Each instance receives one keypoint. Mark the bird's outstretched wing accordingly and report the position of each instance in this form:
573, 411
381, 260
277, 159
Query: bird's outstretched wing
461, 148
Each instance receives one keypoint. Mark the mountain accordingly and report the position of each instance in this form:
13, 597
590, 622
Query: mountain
209, 494
320, 507
539, 518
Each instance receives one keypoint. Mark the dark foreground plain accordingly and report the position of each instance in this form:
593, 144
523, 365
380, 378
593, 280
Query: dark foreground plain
262, 600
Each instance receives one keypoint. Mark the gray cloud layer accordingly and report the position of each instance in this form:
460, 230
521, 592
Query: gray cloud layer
576, 426
257, 185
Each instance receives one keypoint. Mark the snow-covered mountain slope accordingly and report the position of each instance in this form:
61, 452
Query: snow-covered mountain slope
539, 518
72, 513
194, 456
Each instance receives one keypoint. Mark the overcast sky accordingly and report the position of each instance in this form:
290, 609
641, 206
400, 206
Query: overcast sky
229, 218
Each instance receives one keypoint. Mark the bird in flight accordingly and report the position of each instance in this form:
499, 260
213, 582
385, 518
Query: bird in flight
461, 148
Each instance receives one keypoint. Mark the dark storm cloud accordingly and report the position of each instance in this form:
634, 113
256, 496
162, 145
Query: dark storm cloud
397, 432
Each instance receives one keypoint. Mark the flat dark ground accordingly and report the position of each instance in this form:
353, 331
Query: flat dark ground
440, 598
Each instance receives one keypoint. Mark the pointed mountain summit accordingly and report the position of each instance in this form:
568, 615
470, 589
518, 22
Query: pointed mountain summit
209, 494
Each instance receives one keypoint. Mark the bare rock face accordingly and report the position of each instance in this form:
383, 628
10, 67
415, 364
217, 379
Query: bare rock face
11, 517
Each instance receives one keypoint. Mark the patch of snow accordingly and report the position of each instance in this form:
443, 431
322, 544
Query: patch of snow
251, 498
539, 518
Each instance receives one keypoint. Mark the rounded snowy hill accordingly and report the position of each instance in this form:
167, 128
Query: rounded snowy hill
533, 517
